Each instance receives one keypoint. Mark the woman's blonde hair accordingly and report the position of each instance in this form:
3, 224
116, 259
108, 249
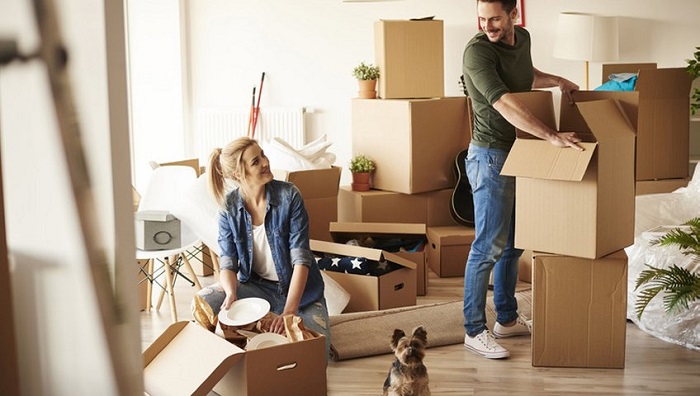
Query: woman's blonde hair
227, 163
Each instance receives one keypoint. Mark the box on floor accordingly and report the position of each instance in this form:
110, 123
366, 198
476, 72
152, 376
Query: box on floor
411, 234
410, 57
658, 110
448, 249
579, 311
319, 187
570, 202
377, 206
659, 186
371, 293
187, 359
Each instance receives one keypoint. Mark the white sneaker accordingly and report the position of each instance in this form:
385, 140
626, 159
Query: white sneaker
521, 327
484, 344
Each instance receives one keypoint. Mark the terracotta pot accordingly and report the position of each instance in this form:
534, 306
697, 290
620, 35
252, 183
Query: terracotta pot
360, 181
368, 89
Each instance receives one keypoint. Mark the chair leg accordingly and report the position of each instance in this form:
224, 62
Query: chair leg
189, 269
215, 261
149, 285
171, 292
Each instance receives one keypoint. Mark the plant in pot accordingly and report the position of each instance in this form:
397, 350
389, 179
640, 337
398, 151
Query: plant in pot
366, 75
693, 69
361, 167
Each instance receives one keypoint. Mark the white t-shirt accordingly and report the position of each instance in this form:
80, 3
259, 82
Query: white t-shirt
263, 264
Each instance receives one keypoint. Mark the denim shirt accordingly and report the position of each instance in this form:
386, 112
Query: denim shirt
287, 229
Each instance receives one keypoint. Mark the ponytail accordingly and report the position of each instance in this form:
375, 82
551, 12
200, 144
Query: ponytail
216, 177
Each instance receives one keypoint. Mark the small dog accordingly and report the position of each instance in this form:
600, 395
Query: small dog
408, 376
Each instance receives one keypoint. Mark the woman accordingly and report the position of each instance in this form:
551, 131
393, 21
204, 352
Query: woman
264, 240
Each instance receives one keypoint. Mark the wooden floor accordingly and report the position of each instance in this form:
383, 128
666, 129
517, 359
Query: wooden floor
653, 366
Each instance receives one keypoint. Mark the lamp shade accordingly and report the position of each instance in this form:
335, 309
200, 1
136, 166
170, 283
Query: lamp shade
586, 37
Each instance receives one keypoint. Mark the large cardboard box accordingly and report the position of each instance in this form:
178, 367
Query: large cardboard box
579, 311
190, 360
570, 202
409, 234
660, 186
412, 142
319, 187
371, 293
448, 249
430, 208
658, 110
410, 57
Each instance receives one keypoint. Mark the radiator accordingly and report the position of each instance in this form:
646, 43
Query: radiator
215, 127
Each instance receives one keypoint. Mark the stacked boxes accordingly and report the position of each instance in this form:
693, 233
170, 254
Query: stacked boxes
578, 207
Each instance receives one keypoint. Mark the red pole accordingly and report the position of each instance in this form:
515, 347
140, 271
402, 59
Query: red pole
257, 108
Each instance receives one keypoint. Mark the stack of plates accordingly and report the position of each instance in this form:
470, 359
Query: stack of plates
266, 340
244, 311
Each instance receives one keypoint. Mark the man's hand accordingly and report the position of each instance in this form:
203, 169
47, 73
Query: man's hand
566, 139
567, 87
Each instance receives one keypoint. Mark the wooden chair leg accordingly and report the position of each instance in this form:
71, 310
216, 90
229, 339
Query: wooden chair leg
171, 292
189, 269
149, 285
215, 261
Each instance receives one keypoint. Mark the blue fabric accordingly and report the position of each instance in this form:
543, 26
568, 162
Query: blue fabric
287, 228
355, 265
619, 82
493, 248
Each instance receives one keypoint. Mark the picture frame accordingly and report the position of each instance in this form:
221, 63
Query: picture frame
519, 21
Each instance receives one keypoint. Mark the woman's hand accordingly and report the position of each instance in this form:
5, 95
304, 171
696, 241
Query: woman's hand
230, 298
277, 325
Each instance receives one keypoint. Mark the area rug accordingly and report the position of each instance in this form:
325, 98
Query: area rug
363, 334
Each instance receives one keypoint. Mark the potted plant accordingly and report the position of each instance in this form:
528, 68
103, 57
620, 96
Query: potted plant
693, 69
680, 286
361, 167
366, 75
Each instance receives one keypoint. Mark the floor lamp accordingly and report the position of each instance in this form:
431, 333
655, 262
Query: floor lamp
586, 37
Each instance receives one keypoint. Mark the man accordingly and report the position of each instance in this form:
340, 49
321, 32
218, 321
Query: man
496, 64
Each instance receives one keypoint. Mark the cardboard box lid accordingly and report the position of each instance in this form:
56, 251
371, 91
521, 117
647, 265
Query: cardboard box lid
355, 228
358, 251
539, 159
187, 359
313, 183
452, 235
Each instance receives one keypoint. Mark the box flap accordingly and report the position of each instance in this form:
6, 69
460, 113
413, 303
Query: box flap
663, 83
354, 228
358, 251
542, 160
313, 183
187, 359
606, 119
541, 105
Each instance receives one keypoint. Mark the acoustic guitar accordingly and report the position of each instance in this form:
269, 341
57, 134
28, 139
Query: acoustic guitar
462, 205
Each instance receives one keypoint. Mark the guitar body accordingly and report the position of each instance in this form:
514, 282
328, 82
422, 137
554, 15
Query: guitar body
462, 205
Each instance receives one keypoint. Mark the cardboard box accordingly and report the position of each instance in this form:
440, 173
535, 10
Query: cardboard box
525, 267
658, 110
570, 202
319, 187
448, 249
430, 208
410, 57
343, 232
579, 311
659, 186
371, 293
190, 360
412, 142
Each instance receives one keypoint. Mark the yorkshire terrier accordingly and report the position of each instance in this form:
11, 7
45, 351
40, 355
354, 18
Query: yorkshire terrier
408, 376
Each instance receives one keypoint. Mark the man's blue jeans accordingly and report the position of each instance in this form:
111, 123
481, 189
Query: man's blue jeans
492, 249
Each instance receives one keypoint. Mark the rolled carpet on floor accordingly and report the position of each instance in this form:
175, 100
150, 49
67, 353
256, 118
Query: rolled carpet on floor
362, 334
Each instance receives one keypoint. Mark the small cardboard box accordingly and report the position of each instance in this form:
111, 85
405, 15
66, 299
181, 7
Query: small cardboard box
570, 202
413, 142
319, 187
659, 186
410, 57
377, 206
371, 293
156, 230
448, 249
525, 267
579, 311
343, 232
190, 360
658, 110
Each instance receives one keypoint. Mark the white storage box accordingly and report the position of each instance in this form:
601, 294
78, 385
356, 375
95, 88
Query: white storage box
157, 230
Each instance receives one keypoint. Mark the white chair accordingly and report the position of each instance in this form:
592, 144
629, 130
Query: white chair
164, 192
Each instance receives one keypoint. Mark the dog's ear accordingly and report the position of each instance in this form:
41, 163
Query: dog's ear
420, 333
398, 335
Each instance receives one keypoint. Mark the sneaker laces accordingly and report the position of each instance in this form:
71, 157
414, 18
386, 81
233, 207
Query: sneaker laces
488, 340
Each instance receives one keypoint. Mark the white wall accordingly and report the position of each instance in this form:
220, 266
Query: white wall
61, 345
308, 48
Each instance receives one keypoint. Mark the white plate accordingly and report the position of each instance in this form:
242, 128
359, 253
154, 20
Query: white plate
266, 340
244, 311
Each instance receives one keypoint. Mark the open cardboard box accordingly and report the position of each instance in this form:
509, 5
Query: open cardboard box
570, 202
371, 293
319, 187
343, 232
187, 359
448, 249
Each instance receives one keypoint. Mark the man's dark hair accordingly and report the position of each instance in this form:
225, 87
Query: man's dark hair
508, 5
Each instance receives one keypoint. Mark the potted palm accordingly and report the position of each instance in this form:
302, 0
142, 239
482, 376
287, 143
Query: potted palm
680, 286
693, 69
366, 75
361, 168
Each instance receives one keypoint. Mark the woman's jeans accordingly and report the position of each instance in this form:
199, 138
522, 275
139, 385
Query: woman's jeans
315, 315
492, 249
